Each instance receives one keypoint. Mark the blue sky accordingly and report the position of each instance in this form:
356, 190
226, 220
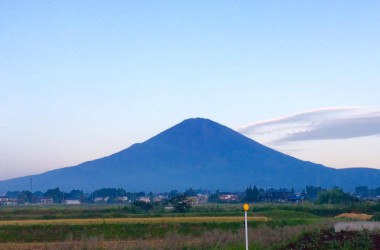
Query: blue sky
81, 80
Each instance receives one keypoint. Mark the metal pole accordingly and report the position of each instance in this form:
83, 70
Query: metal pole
246, 230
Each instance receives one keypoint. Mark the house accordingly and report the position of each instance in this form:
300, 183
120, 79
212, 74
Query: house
72, 202
192, 200
46, 201
3, 199
277, 196
122, 199
295, 198
101, 199
228, 197
145, 199
11, 201
199, 199
6, 201
202, 198
159, 198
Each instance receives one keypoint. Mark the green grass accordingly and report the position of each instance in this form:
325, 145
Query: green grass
118, 211
289, 223
59, 232
50, 233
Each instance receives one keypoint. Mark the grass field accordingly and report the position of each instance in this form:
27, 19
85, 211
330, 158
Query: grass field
151, 220
213, 226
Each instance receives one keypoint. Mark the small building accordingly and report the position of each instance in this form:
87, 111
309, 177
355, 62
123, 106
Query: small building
101, 199
46, 201
228, 197
277, 196
72, 202
145, 199
122, 199
199, 199
193, 200
4, 199
295, 198
159, 198
202, 198
11, 201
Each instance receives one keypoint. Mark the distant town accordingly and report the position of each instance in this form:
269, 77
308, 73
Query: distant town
190, 196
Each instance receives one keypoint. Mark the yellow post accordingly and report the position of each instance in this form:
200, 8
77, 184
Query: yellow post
246, 208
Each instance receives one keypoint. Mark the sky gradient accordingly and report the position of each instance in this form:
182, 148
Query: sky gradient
80, 80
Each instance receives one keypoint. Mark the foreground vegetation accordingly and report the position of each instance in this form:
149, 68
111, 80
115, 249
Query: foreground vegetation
212, 226
328, 239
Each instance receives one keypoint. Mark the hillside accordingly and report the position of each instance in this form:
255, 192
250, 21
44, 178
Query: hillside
196, 153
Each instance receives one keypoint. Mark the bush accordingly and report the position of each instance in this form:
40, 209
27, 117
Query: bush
334, 196
376, 217
180, 203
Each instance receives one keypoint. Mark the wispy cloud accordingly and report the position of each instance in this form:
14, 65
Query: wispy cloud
319, 124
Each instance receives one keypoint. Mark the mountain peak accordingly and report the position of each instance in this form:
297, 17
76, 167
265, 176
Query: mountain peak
198, 153
195, 130
198, 121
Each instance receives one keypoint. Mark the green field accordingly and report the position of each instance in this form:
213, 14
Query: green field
213, 226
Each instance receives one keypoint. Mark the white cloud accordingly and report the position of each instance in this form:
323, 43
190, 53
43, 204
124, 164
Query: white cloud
320, 124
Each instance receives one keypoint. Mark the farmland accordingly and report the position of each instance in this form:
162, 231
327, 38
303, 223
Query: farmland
212, 226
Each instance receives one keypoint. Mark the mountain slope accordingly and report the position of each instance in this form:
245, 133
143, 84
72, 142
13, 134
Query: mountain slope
196, 153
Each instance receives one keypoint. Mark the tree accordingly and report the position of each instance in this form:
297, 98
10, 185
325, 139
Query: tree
213, 198
74, 194
109, 192
151, 195
24, 197
13, 194
173, 193
311, 192
55, 194
77, 195
252, 194
180, 203
362, 191
334, 196
190, 192
143, 206
377, 191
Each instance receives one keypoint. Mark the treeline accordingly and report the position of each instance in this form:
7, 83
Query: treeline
59, 196
109, 195
251, 194
314, 194
337, 195
365, 192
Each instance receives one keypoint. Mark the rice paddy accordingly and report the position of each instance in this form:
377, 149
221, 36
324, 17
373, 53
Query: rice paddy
152, 220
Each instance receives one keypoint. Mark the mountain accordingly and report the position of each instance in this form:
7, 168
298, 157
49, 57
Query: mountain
196, 153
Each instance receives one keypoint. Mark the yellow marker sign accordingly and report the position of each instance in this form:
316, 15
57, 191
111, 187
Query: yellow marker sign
245, 207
